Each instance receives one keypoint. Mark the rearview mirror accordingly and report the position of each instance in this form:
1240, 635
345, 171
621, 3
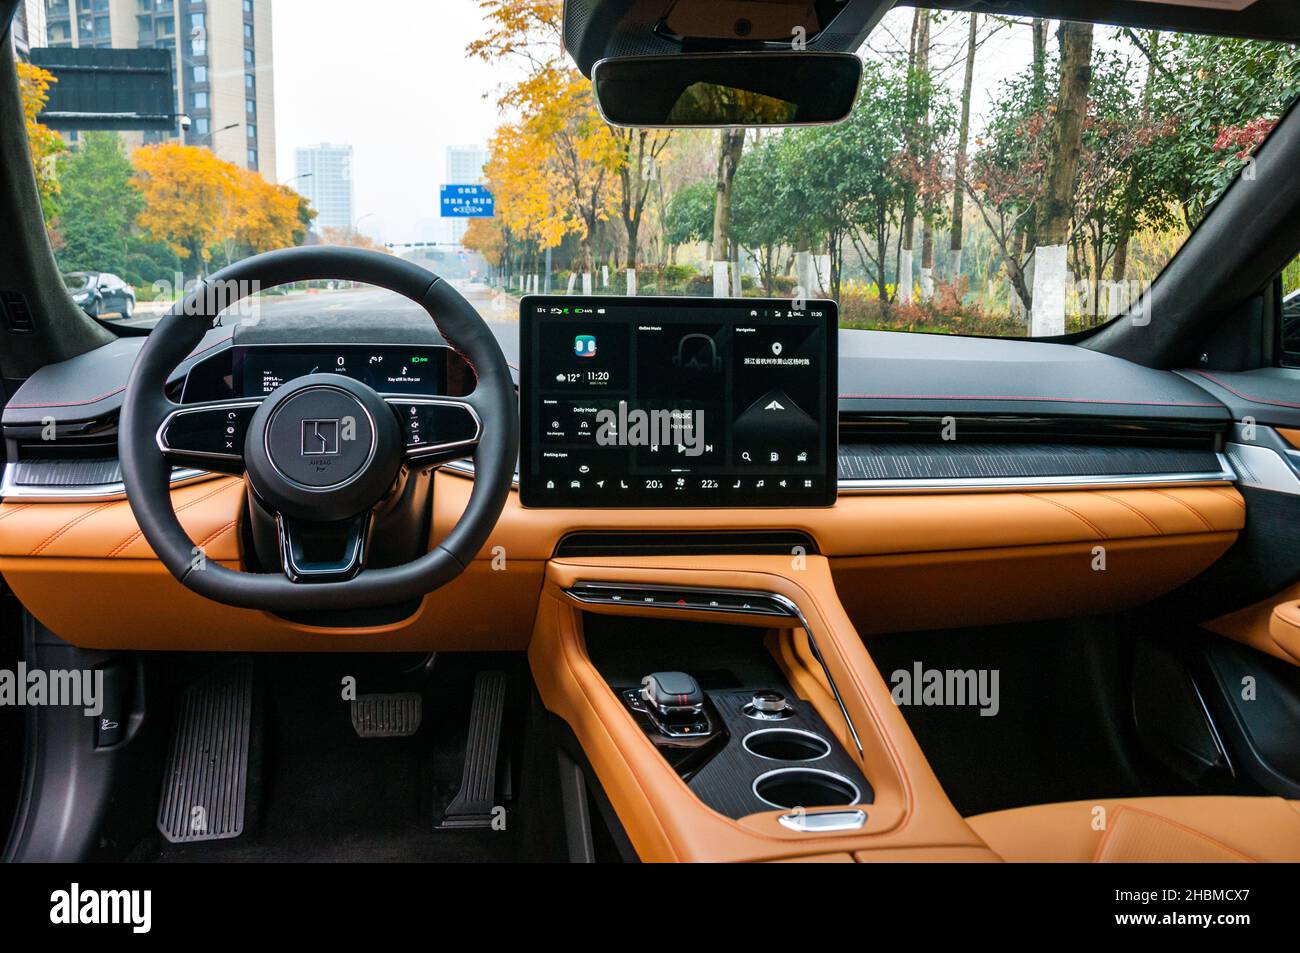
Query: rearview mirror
727, 89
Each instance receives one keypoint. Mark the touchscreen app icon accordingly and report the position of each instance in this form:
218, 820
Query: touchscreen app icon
584, 345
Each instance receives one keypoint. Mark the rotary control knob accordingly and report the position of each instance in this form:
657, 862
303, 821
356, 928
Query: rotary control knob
769, 705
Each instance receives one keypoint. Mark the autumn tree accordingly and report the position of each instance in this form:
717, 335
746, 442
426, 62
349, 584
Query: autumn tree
45, 144
559, 162
195, 202
351, 238
266, 216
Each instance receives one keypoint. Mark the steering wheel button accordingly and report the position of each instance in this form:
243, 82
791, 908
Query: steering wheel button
215, 432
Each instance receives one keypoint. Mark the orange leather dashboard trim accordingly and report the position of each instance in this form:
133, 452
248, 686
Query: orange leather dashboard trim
882, 548
1290, 436
208, 510
663, 819
1271, 625
870, 525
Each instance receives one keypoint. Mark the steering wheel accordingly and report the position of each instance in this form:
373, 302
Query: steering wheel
321, 452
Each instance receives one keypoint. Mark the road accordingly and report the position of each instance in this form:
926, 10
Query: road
355, 306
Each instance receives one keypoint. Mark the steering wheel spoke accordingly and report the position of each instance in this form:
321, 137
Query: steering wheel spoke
437, 429
313, 552
208, 436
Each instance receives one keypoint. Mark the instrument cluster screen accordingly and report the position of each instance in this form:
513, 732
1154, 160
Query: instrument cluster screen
255, 370
645, 402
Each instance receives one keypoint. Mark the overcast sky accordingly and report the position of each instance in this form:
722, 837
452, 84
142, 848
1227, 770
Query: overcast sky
390, 78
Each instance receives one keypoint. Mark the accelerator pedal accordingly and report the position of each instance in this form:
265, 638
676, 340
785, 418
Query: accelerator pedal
206, 783
392, 715
472, 806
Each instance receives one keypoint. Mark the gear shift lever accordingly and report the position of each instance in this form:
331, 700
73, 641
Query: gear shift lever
675, 703
670, 693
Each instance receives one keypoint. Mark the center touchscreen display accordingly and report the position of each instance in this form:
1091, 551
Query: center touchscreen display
645, 402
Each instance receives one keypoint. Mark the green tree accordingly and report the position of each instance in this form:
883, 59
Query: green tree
98, 206
689, 217
1242, 88
850, 183
762, 211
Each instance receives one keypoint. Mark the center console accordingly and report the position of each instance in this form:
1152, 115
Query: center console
728, 711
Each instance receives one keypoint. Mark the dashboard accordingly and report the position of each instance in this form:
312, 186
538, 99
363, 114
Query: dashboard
637, 402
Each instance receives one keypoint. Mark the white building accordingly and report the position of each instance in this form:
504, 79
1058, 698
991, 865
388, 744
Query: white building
323, 173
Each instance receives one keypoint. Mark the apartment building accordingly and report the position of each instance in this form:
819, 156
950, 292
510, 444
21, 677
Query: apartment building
223, 62
28, 26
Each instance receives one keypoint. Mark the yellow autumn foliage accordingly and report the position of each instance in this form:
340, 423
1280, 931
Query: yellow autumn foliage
45, 144
194, 201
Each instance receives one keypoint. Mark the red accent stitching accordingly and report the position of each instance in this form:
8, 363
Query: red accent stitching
1066, 400
1233, 390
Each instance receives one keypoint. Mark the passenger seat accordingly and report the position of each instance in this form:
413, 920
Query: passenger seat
1144, 830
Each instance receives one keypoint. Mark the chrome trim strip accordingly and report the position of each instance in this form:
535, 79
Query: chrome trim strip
791, 608
853, 487
857, 792
87, 493
826, 745
1265, 468
823, 822
432, 449
964, 484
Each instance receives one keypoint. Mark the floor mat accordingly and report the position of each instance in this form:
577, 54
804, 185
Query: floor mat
1063, 729
318, 792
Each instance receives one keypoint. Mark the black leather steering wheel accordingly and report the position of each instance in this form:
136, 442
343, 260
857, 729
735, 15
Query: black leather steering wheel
321, 450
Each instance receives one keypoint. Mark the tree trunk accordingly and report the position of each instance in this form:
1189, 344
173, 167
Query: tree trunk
1057, 203
731, 143
1039, 28
1129, 222
963, 141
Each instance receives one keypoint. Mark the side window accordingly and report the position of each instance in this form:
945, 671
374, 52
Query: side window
1291, 314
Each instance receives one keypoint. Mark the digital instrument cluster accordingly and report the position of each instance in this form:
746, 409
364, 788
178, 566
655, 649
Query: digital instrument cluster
256, 370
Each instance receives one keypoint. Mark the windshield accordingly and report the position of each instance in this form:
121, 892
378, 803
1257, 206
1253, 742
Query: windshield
998, 176
76, 282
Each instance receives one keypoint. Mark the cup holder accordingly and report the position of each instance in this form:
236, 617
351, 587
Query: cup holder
789, 788
786, 744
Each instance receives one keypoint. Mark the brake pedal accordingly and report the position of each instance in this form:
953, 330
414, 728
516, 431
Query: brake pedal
472, 806
206, 784
392, 715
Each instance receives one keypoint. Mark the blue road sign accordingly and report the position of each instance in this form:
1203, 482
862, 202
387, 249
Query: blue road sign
467, 201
